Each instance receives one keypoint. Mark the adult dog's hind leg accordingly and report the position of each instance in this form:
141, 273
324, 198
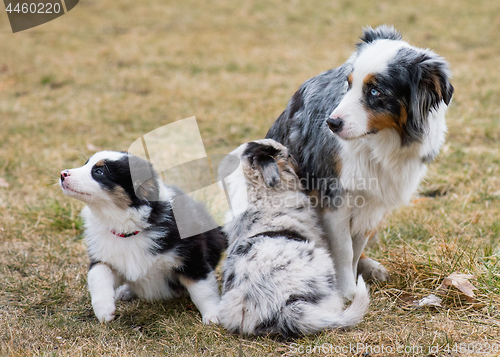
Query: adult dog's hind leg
371, 269
358, 244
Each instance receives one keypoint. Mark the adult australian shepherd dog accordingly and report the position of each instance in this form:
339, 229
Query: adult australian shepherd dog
362, 135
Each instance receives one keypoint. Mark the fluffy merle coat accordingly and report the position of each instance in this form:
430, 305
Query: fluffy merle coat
278, 275
362, 135
133, 242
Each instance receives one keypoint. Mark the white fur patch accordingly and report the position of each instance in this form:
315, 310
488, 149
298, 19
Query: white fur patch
205, 295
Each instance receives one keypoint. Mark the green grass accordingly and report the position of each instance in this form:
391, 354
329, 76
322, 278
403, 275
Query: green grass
108, 72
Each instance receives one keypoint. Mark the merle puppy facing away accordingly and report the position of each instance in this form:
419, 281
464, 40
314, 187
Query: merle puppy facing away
278, 275
133, 241
363, 134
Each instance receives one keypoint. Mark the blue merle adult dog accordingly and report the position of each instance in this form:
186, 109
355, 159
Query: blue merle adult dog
362, 135
133, 240
278, 275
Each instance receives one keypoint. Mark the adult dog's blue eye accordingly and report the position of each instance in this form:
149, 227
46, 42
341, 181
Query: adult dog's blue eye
99, 172
374, 92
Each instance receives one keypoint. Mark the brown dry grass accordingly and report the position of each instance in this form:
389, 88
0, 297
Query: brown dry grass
108, 72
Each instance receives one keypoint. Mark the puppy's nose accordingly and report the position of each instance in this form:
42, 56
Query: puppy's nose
64, 174
336, 124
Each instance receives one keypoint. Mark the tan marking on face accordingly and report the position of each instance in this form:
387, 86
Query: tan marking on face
120, 197
289, 171
350, 79
338, 165
99, 163
369, 79
281, 162
380, 121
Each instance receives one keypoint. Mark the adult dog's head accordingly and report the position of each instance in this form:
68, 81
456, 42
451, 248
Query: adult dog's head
393, 86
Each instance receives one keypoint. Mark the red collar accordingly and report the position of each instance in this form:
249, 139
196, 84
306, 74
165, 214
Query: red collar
125, 235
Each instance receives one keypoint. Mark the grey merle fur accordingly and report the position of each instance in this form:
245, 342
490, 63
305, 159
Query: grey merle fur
278, 276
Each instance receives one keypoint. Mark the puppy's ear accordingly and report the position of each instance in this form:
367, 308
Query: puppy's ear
148, 190
262, 158
144, 179
430, 86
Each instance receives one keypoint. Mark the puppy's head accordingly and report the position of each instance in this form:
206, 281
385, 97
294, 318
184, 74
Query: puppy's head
392, 86
112, 179
268, 163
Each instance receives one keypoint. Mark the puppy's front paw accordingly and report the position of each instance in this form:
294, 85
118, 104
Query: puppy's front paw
104, 310
210, 318
372, 270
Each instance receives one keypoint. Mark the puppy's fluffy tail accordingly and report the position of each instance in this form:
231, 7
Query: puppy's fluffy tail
300, 317
355, 312
315, 318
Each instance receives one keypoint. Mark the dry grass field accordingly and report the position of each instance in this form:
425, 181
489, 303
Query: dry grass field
110, 71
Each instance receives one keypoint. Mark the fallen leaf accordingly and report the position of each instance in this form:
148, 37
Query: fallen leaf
461, 282
3, 182
431, 300
406, 298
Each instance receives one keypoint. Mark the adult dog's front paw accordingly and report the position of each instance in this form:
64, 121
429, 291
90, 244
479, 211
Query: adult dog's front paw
104, 310
372, 270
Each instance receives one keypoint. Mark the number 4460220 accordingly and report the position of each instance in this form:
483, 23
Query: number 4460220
40, 8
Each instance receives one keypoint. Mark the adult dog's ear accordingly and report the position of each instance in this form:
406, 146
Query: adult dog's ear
263, 159
430, 87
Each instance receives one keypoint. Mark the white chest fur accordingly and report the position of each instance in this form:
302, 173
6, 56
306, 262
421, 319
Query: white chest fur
379, 176
131, 257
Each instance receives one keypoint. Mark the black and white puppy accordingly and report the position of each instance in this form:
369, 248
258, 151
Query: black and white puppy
133, 241
363, 134
278, 275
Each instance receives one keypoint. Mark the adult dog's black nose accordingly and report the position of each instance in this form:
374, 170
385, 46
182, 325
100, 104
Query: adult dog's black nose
335, 124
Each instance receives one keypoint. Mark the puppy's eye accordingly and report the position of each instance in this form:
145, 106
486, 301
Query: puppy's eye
374, 92
98, 172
